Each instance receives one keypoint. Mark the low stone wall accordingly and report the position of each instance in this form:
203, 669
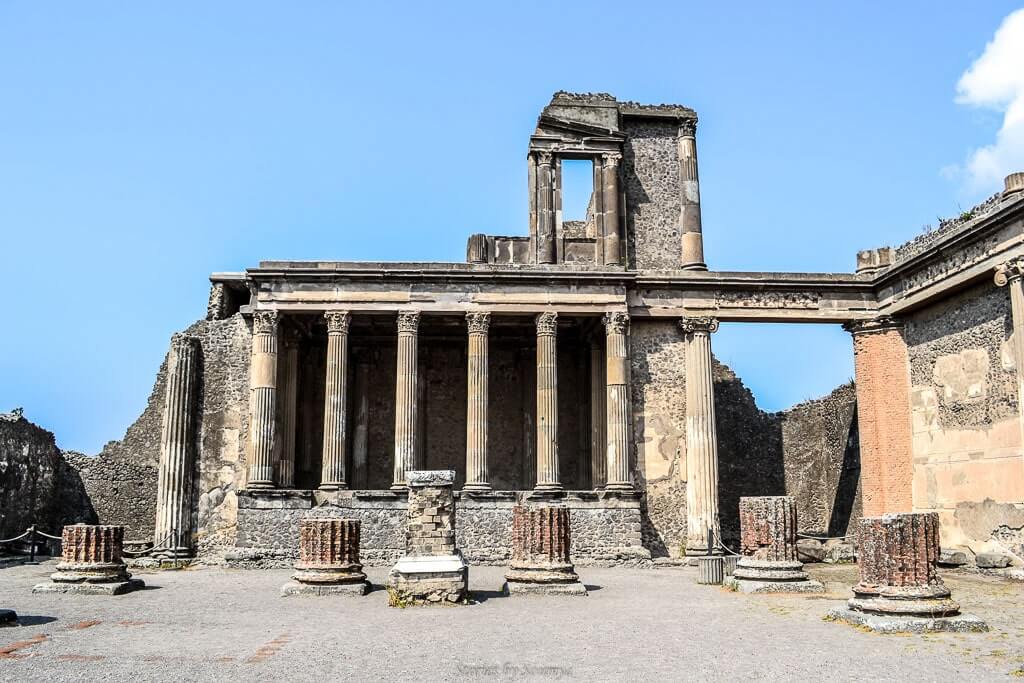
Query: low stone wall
605, 527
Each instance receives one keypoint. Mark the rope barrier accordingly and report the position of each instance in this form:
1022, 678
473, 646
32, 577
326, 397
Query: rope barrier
46, 535
16, 538
32, 531
148, 551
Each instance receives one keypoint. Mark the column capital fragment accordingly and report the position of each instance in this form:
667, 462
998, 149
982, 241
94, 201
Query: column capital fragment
1010, 270
545, 158
616, 322
688, 128
692, 325
478, 322
547, 324
883, 323
408, 322
611, 158
338, 321
265, 322
183, 342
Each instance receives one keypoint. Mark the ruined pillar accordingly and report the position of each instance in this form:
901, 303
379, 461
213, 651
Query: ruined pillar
332, 475
882, 374
1009, 274
540, 552
289, 369
91, 563
432, 569
610, 202
598, 415
173, 529
405, 397
545, 209
328, 559
689, 198
360, 436
768, 545
899, 588
618, 403
701, 439
547, 403
263, 400
476, 403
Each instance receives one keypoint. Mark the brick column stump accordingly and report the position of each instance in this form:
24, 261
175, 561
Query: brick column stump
91, 563
540, 552
899, 589
328, 559
432, 571
768, 544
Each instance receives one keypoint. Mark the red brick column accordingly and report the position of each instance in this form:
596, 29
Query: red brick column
540, 551
329, 551
882, 369
91, 553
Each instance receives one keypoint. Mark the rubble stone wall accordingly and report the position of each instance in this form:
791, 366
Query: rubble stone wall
651, 178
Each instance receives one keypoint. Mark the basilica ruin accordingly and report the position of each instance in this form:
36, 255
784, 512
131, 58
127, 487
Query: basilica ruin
572, 364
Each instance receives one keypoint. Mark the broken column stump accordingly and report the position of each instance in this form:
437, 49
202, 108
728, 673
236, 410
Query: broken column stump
91, 563
540, 552
768, 545
900, 590
432, 569
328, 559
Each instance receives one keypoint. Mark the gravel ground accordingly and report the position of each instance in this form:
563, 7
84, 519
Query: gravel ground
218, 624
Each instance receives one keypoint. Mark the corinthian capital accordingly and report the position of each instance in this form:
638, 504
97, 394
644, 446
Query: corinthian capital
337, 322
616, 322
882, 323
692, 325
478, 322
544, 158
611, 158
688, 128
408, 322
547, 324
265, 322
1009, 271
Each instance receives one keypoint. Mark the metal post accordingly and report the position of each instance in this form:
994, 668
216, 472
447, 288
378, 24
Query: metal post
32, 544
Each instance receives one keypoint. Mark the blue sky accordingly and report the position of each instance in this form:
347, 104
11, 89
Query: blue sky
145, 145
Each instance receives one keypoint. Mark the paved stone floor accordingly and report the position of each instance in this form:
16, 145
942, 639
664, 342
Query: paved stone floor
215, 624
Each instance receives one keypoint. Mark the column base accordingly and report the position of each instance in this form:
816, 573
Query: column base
618, 486
694, 266
885, 623
333, 486
553, 487
260, 484
400, 488
477, 487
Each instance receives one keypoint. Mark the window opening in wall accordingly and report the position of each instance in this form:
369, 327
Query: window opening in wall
577, 190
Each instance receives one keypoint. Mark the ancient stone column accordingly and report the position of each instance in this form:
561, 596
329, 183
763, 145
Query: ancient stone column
540, 552
545, 209
432, 569
289, 386
598, 415
899, 587
263, 400
405, 397
701, 438
689, 198
619, 413
1009, 274
91, 563
328, 559
882, 372
547, 403
332, 476
768, 544
360, 436
610, 200
476, 403
173, 529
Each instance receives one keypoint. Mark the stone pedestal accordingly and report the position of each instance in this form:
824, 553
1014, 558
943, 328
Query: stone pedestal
432, 569
899, 589
328, 559
91, 563
540, 552
768, 543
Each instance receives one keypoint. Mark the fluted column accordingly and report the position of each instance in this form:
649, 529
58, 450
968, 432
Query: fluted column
476, 403
332, 475
263, 399
173, 528
289, 393
610, 193
598, 415
545, 209
360, 436
547, 403
619, 414
1009, 274
689, 198
701, 439
405, 397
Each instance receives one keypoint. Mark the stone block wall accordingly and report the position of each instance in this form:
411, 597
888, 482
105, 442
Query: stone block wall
651, 175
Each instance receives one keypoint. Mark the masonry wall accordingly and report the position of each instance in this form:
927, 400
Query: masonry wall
651, 180
968, 464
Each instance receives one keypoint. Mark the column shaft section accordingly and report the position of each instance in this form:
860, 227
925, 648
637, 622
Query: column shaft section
289, 393
177, 445
610, 196
545, 209
263, 399
547, 403
598, 415
701, 438
476, 403
405, 397
332, 475
619, 413
360, 436
689, 198
1010, 274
